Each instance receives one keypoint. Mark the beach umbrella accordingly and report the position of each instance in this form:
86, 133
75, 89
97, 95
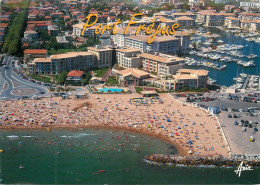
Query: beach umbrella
154, 117
55, 103
176, 133
105, 108
161, 126
190, 142
151, 121
168, 120
181, 131
179, 127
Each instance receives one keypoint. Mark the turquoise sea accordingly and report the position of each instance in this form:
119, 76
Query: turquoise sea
225, 77
76, 157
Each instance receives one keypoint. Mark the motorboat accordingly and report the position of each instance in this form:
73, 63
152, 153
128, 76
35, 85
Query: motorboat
251, 56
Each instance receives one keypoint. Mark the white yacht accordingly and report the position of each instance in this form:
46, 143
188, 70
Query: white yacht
251, 56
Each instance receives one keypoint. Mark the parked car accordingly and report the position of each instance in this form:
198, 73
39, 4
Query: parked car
229, 116
235, 123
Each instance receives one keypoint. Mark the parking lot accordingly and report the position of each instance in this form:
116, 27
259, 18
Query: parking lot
238, 136
238, 139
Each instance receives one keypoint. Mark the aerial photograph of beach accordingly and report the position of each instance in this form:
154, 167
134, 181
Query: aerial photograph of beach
129, 91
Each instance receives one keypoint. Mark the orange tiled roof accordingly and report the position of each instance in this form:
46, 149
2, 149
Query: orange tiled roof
35, 51
75, 73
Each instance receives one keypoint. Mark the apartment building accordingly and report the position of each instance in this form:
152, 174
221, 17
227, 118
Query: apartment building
184, 78
56, 64
162, 44
217, 19
77, 30
184, 37
229, 7
255, 26
62, 40
127, 58
30, 54
181, 14
245, 24
119, 37
31, 34
53, 30
232, 22
202, 14
249, 16
185, 22
191, 78
249, 4
104, 56
40, 66
161, 64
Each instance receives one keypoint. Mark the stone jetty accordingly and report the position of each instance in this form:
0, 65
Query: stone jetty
211, 161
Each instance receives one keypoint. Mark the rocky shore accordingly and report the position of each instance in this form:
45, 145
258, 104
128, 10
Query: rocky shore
210, 161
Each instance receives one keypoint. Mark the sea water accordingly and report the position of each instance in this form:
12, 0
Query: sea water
76, 157
225, 76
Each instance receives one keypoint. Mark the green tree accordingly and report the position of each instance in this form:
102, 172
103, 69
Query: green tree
43, 35
62, 77
12, 49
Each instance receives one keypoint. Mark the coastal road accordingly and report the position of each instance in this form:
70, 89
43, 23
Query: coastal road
10, 81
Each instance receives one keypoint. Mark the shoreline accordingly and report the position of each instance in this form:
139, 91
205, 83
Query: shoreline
180, 150
190, 130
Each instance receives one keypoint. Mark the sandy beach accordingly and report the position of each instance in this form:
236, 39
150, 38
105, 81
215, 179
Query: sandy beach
183, 126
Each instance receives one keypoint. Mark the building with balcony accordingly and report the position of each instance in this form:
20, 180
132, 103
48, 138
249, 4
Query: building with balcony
161, 64
55, 64
185, 22
162, 44
77, 30
232, 22
127, 58
103, 56
189, 78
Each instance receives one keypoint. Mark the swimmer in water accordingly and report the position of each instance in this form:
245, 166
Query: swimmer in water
21, 166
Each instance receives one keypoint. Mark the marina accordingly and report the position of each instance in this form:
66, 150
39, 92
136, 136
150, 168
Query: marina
224, 56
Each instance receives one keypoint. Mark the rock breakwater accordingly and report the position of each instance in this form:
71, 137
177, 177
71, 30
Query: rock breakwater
216, 161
